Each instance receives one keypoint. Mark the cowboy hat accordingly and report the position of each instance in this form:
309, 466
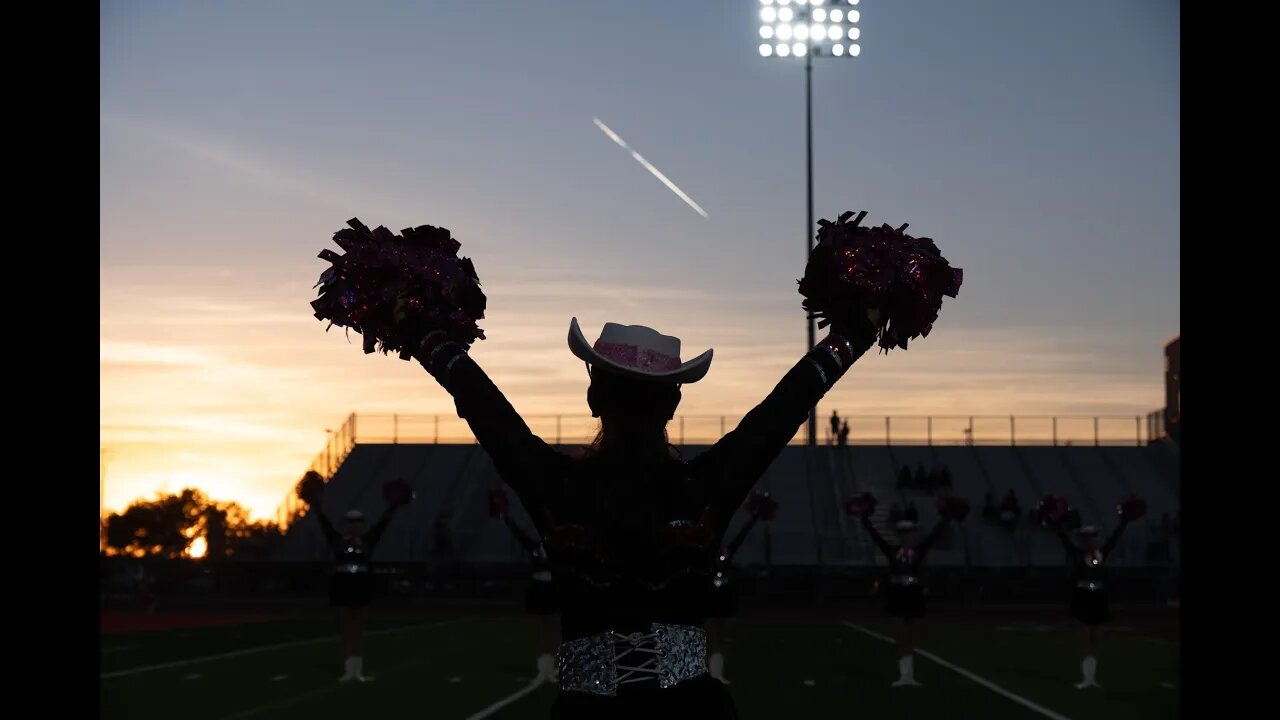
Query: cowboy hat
638, 351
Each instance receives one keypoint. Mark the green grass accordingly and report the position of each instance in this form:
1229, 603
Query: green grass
795, 667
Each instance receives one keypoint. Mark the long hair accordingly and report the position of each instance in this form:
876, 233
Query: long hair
633, 414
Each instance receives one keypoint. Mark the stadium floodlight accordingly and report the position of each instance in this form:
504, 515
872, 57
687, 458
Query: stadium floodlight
807, 28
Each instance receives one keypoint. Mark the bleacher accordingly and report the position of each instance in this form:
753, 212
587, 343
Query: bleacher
811, 485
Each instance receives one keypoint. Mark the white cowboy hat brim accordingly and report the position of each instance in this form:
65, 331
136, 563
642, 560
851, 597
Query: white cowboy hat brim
688, 372
1087, 530
904, 526
354, 515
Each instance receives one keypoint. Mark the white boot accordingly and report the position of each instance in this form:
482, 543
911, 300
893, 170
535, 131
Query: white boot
906, 672
716, 666
547, 668
357, 665
348, 670
1089, 668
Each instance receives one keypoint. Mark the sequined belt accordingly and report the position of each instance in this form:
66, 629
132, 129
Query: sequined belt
1089, 584
353, 568
599, 664
904, 580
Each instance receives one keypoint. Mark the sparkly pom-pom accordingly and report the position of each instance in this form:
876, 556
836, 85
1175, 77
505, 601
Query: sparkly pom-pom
397, 492
311, 488
862, 506
854, 269
762, 507
1132, 509
393, 289
1051, 510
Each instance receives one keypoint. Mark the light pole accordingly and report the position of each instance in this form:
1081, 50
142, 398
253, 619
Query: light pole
805, 28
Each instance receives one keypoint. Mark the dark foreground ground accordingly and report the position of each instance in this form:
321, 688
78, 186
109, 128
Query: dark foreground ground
464, 662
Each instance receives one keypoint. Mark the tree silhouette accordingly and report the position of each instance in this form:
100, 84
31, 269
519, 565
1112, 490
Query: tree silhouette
167, 526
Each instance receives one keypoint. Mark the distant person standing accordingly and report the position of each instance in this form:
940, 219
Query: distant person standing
835, 426
844, 434
1009, 510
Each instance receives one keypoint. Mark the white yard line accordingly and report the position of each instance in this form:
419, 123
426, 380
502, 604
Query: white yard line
255, 650
537, 683
961, 671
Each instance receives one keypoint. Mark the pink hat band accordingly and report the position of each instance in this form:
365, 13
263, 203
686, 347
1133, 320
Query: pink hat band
636, 357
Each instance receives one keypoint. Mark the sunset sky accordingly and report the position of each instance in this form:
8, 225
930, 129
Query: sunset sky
1035, 140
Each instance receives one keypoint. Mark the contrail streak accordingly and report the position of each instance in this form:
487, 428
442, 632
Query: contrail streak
656, 173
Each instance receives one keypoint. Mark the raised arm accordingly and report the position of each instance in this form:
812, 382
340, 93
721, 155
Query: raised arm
331, 536
526, 542
930, 539
876, 537
733, 465
521, 458
375, 534
1067, 543
1111, 542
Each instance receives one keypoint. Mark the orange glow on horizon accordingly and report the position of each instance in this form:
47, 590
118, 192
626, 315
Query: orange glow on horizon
234, 397
198, 548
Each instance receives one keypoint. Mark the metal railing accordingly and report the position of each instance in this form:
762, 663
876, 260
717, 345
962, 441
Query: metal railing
327, 462
931, 430
863, 429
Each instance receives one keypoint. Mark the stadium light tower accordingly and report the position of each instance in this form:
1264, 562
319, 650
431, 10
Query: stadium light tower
805, 28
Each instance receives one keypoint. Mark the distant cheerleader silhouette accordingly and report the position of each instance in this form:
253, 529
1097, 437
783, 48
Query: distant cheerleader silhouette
904, 590
351, 582
723, 601
540, 592
1090, 598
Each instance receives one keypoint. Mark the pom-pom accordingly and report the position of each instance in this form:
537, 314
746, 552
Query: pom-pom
762, 507
1132, 509
311, 488
862, 506
498, 503
393, 289
1051, 510
854, 269
953, 508
397, 492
